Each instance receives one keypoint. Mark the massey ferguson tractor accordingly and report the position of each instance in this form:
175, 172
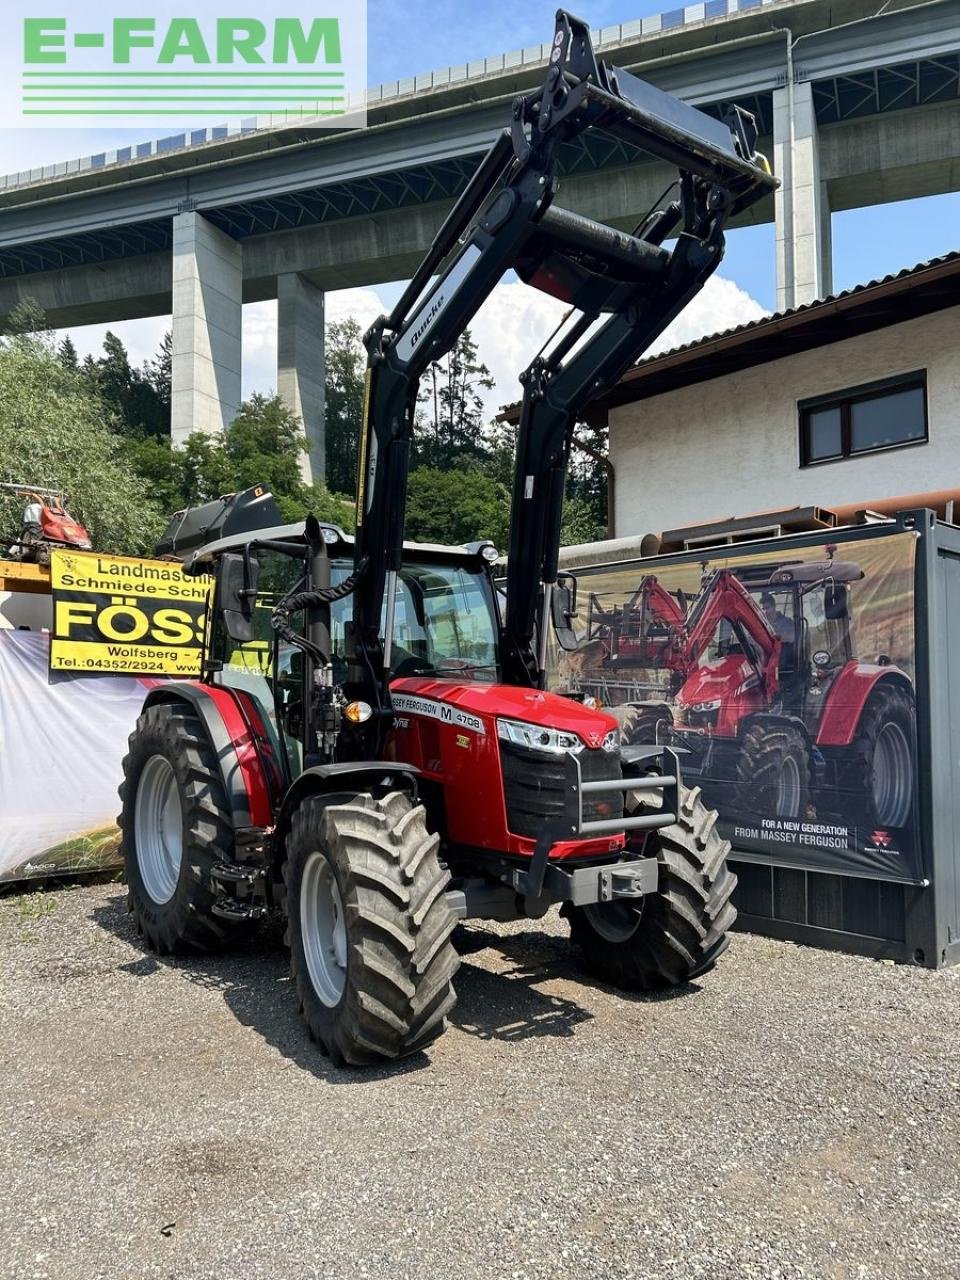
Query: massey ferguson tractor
766, 695
370, 752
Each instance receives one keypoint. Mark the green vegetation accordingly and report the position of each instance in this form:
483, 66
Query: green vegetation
100, 430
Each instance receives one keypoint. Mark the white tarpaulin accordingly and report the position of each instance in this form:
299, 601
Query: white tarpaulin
61, 747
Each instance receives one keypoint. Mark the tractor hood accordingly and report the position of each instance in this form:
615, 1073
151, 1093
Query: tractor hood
507, 702
717, 683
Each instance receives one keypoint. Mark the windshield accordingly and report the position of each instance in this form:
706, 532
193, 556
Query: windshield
444, 623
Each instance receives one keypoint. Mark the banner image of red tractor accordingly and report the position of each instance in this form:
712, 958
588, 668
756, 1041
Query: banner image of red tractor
786, 677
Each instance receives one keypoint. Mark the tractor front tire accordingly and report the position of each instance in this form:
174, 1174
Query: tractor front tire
881, 774
369, 926
774, 772
678, 933
646, 725
175, 826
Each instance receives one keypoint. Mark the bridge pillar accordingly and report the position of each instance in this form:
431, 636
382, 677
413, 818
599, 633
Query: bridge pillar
300, 365
207, 319
801, 204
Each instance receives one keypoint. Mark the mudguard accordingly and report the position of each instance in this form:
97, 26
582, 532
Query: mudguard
848, 696
238, 739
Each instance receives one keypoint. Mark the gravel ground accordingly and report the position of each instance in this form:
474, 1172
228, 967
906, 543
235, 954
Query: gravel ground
794, 1114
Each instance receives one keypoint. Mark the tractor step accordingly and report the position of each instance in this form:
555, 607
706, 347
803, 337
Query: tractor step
230, 909
230, 874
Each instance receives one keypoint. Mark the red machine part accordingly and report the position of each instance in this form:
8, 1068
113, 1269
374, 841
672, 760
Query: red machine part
452, 738
246, 730
57, 526
732, 687
847, 698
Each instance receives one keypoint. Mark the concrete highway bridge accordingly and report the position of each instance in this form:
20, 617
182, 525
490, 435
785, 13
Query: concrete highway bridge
856, 108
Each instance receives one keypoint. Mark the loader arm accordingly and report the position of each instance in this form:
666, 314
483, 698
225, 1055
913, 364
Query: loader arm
505, 220
726, 599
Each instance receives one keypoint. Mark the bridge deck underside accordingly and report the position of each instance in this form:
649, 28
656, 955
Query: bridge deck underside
918, 83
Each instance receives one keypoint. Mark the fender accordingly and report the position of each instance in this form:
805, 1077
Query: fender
331, 778
847, 698
228, 726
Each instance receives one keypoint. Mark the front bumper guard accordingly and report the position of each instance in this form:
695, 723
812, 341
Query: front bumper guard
609, 881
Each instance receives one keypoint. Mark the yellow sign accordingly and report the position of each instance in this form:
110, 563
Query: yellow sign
118, 614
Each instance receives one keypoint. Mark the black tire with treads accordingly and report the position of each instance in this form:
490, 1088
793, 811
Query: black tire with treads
767, 751
682, 929
400, 961
186, 922
889, 705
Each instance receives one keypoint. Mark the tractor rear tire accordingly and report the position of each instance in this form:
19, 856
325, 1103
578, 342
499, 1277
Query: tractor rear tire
882, 769
175, 826
678, 933
369, 926
774, 772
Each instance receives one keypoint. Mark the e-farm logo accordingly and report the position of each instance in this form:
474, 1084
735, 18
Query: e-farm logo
93, 66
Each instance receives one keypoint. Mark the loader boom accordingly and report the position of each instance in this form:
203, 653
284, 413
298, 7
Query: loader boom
505, 219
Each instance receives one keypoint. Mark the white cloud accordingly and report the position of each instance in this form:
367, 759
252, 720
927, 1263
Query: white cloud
509, 329
721, 305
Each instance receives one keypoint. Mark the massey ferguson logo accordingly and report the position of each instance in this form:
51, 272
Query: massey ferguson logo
882, 839
594, 739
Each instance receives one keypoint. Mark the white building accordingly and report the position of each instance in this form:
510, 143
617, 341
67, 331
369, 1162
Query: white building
842, 403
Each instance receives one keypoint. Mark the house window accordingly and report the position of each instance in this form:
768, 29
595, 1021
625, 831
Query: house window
879, 415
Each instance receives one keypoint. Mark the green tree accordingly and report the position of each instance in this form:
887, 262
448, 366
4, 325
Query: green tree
159, 374
53, 432
264, 443
345, 367
456, 506
579, 522
138, 398
450, 407
27, 317
67, 353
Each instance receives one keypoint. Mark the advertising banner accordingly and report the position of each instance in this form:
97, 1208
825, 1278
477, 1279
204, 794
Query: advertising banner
117, 614
61, 748
787, 680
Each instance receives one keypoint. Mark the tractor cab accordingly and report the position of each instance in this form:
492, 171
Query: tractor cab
445, 622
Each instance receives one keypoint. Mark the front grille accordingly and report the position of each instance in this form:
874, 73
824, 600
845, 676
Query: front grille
534, 784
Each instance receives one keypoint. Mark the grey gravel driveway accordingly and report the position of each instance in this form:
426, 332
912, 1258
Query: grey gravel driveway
794, 1114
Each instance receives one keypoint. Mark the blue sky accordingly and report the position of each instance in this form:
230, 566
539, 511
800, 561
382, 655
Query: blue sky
405, 39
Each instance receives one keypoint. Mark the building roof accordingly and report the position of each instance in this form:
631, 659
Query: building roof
915, 291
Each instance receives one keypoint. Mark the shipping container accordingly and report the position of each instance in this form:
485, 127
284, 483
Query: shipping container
810, 684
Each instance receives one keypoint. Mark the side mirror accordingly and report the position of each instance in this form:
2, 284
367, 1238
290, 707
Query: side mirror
563, 608
237, 577
835, 601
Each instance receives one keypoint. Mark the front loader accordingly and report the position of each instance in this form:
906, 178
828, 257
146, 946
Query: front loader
371, 753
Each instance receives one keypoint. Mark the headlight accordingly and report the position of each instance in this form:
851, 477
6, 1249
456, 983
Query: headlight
536, 737
701, 707
612, 741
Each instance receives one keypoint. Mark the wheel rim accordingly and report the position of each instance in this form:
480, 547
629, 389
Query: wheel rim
158, 829
788, 788
323, 929
892, 776
615, 921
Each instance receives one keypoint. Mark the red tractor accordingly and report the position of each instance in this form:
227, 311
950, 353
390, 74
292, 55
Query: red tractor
767, 696
370, 753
